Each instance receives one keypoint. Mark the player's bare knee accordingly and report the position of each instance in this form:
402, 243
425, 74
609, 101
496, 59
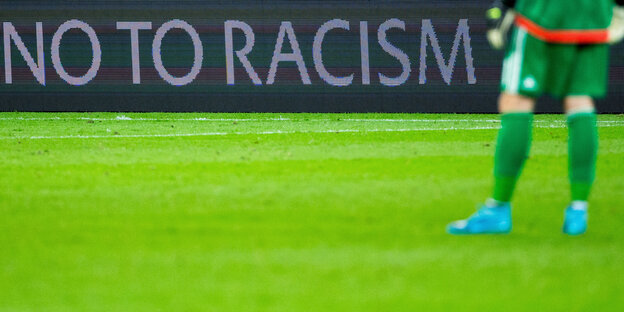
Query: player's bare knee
510, 103
578, 104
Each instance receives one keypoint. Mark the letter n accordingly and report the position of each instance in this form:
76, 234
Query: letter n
38, 69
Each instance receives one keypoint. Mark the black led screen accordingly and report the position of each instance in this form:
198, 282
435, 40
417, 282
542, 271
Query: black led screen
255, 56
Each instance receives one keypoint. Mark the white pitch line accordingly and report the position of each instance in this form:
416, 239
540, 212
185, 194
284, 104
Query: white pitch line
418, 120
262, 133
124, 118
466, 120
238, 133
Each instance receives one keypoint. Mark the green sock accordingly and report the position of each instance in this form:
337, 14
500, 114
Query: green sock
582, 150
512, 149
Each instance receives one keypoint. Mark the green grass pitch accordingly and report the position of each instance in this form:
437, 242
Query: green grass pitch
294, 212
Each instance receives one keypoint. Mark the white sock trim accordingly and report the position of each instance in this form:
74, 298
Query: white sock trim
493, 203
579, 205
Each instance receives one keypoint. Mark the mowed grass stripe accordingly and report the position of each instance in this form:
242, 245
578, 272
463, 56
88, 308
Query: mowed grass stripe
306, 221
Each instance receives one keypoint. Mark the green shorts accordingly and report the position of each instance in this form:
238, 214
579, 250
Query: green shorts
533, 67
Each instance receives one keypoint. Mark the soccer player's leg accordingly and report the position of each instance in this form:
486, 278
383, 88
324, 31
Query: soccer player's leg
520, 83
524, 71
588, 80
513, 144
512, 148
582, 150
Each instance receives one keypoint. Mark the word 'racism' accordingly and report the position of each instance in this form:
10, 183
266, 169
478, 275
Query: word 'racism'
286, 32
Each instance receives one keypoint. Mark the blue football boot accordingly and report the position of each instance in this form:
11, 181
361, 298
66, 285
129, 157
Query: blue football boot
575, 222
487, 220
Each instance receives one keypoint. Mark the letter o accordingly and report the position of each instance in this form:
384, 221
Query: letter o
197, 44
95, 46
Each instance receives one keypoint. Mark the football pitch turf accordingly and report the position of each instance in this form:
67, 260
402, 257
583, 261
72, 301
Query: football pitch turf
295, 212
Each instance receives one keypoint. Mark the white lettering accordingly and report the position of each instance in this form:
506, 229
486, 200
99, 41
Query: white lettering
95, 46
394, 51
364, 52
446, 70
318, 56
38, 69
197, 44
296, 56
241, 54
134, 28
